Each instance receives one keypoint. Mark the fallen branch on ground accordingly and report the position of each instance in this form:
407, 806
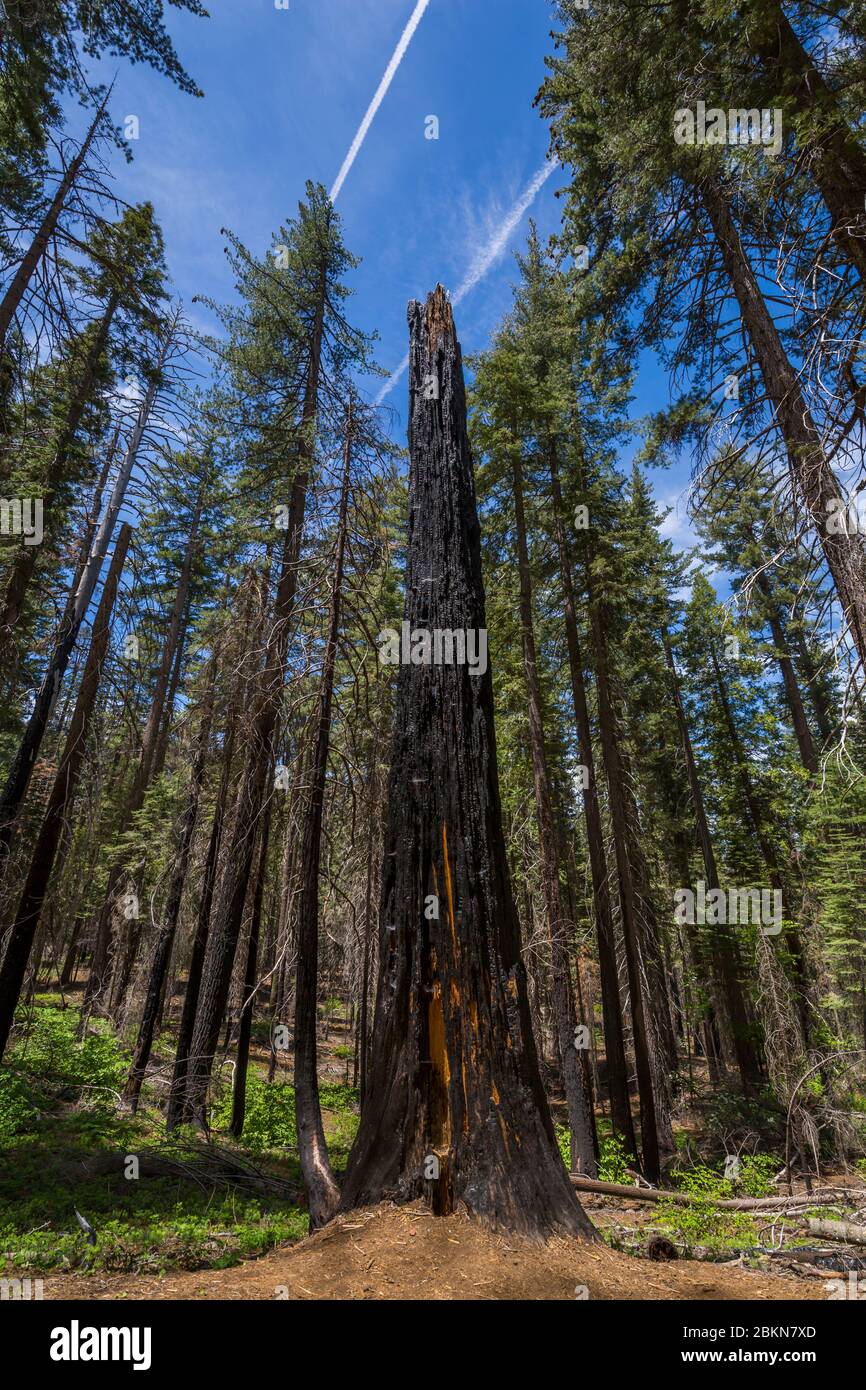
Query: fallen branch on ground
686, 1199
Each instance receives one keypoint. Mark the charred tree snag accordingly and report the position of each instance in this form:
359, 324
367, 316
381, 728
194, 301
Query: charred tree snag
453, 1084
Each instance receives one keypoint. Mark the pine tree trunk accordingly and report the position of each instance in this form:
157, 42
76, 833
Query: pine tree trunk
802, 732
165, 937
22, 766
245, 1021
454, 1087
322, 1191
23, 567
126, 948
614, 1041
724, 951
224, 932
36, 250
581, 1121
645, 1062
23, 930
812, 474
176, 1112
835, 160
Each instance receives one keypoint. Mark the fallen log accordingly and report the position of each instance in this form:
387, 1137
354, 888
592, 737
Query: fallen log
837, 1230
686, 1199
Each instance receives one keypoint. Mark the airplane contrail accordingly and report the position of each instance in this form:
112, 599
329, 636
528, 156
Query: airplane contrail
485, 258
396, 60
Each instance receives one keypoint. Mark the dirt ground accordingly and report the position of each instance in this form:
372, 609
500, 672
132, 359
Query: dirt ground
395, 1253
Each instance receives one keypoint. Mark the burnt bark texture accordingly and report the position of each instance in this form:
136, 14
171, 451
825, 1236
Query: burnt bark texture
453, 1088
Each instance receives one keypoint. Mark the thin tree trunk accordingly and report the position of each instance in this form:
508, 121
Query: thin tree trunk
38, 246
323, 1193
22, 766
614, 1041
802, 732
724, 952
23, 930
166, 934
23, 566
245, 1021
223, 936
641, 1039
580, 1118
127, 949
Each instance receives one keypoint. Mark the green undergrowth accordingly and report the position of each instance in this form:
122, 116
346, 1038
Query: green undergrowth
65, 1143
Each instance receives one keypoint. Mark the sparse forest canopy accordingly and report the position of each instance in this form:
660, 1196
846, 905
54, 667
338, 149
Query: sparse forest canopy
431, 816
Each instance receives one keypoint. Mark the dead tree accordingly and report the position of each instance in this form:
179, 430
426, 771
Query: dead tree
455, 1104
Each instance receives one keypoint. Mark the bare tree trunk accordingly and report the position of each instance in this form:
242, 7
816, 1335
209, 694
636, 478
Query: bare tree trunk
724, 952
223, 936
19, 774
455, 1104
168, 928
580, 1117
38, 246
23, 930
645, 1061
614, 1042
323, 1193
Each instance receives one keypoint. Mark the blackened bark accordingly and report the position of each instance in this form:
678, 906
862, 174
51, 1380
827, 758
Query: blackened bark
454, 1078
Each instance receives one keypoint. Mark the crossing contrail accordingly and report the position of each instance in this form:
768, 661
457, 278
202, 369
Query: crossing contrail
396, 60
486, 257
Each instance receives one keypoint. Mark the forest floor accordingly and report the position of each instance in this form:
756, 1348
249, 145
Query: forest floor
183, 1232
391, 1253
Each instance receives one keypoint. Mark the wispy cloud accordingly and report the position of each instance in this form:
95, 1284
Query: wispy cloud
379, 97
486, 256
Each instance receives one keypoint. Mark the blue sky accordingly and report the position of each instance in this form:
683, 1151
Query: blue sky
285, 91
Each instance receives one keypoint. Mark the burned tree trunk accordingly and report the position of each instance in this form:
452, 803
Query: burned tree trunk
455, 1104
